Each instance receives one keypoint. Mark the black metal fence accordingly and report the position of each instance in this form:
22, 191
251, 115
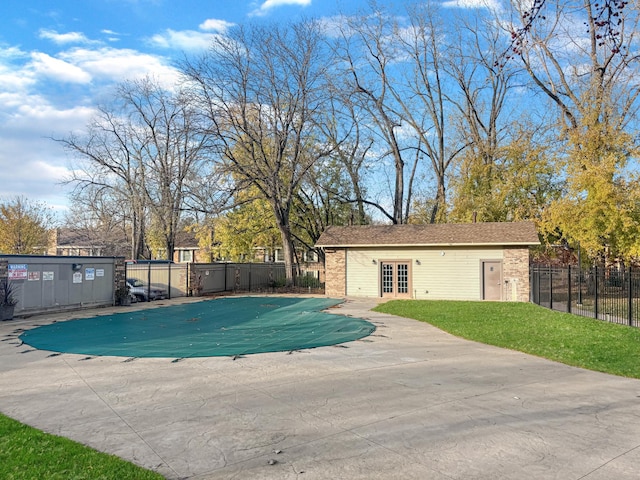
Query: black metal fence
610, 294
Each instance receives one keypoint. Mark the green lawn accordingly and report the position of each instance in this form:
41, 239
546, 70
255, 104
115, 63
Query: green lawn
29, 454
577, 341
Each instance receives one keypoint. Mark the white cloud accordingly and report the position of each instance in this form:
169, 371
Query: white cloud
48, 95
111, 64
215, 25
57, 69
490, 4
27, 129
112, 36
64, 38
188, 40
268, 5
11, 52
14, 80
334, 26
12, 77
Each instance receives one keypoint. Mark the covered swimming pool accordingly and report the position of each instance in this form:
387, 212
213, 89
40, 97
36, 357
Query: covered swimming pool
226, 326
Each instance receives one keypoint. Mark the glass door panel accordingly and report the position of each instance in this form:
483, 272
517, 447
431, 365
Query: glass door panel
395, 279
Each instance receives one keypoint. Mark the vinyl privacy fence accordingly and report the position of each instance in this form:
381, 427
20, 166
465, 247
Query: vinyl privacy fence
196, 279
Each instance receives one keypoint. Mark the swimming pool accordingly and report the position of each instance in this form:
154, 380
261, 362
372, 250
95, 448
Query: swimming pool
222, 327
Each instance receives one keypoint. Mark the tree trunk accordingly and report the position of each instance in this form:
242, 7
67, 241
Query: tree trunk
440, 203
137, 237
288, 253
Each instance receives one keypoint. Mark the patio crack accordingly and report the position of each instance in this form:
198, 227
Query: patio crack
608, 462
129, 426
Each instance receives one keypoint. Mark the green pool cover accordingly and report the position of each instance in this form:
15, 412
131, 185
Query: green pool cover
222, 327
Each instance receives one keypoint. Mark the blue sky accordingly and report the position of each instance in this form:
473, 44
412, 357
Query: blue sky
58, 58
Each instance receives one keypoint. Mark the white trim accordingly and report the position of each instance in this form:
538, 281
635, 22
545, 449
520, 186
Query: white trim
404, 245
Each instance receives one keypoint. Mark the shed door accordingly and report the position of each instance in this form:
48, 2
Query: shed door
491, 280
395, 279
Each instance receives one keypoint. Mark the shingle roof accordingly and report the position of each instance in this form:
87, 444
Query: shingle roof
495, 233
68, 237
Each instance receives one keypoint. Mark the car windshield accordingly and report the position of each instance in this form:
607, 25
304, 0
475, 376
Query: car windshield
135, 283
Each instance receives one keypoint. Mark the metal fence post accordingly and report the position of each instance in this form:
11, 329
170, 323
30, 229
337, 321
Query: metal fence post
148, 282
550, 288
169, 281
630, 298
568, 288
532, 283
595, 303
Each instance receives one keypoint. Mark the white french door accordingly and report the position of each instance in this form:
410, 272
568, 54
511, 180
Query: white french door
395, 279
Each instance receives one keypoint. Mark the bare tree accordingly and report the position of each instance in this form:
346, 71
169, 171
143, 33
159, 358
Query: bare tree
579, 68
262, 91
99, 217
427, 106
143, 150
368, 54
483, 88
173, 147
111, 165
344, 130
605, 24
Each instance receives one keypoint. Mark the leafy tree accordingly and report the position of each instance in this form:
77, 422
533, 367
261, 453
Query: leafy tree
518, 183
589, 75
244, 229
601, 208
204, 231
24, 226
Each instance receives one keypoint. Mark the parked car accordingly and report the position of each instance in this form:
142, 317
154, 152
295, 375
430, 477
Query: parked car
141, 291
148, 262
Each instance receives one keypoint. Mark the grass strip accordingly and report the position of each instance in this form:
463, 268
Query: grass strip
29, 454
570, 339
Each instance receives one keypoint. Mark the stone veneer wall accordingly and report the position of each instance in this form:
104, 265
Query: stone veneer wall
516, 274
4, 269
336, 272
119, 275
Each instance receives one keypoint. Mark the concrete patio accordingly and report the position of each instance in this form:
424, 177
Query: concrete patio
408, 402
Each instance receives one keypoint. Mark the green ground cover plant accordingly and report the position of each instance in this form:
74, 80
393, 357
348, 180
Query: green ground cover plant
566, 338
28, 454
